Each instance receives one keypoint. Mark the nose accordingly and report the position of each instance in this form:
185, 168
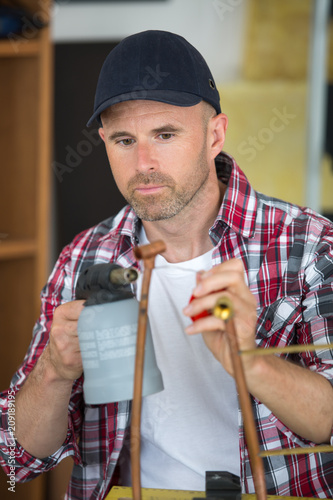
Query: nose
146, 159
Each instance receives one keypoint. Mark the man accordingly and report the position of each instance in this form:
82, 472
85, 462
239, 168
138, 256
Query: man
160, 117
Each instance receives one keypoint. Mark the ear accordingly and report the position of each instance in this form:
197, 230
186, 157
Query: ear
217, 130
101, 133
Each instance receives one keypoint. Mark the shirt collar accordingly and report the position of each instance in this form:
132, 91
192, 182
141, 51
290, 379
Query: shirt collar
239, 206
125, 224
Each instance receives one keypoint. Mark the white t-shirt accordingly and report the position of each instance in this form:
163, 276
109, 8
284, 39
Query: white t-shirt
191, 426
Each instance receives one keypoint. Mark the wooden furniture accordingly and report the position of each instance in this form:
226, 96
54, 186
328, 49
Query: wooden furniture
25, 145
120, 492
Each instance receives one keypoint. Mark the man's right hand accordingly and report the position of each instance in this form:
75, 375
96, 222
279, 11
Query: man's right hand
63, 351
42, 401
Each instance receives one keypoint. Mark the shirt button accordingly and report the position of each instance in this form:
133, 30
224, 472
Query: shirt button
268, 325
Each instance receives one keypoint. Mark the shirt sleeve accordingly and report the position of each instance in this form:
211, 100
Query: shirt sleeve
317, 324
301, 313
13, 457
317, 309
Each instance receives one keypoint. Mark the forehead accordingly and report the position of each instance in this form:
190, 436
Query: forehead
141, 110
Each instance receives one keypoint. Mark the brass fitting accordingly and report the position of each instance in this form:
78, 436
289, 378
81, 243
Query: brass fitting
223, 308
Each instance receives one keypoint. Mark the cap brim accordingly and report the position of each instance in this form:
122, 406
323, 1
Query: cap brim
172, 97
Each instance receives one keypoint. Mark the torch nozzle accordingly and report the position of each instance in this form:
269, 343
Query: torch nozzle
104, 279
122, 276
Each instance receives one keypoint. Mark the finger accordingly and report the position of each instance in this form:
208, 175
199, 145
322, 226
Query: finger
244, 308
65, 318
70, 311
198, 276
231, 265
65, 353
207, 324
216, 280
200, 304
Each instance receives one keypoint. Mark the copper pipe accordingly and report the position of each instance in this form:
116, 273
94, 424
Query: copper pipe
287, 349
306, 450
147, 253
224, 310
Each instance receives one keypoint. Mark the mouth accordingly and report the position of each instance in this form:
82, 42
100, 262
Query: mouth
149, 189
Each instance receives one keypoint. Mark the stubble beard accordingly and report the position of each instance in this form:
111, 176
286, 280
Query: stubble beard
173, 199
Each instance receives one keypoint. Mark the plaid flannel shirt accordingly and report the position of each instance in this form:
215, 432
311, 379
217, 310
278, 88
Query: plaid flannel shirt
287, 253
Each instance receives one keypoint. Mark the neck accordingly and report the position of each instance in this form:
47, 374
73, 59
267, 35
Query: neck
186, 235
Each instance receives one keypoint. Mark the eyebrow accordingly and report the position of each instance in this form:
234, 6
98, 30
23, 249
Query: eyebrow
116, 135
167, 128
159, 130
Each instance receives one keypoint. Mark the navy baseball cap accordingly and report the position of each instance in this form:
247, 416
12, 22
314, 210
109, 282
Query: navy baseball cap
157, 66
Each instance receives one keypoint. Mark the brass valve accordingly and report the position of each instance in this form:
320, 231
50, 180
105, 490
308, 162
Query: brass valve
223, 308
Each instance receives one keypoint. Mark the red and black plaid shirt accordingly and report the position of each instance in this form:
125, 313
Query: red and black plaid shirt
287, 253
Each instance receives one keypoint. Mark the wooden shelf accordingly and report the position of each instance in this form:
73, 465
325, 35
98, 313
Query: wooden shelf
18, 248
19, 48
26, 76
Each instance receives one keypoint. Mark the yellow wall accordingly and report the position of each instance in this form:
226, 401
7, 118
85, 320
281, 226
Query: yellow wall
267, 109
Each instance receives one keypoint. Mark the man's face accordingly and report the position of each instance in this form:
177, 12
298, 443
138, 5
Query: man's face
158, 155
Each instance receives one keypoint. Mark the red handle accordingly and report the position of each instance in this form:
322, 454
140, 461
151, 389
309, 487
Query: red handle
203, 314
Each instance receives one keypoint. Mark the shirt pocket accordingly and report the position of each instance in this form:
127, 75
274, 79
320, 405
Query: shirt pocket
278, 322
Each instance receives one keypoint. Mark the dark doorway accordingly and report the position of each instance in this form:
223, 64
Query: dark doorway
85, 192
